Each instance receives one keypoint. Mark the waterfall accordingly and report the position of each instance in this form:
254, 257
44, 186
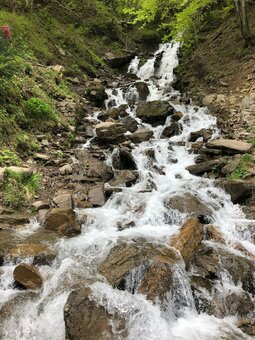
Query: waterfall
41, 317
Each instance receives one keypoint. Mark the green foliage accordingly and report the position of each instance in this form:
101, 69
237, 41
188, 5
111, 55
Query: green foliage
8, 157
178, 19
37, 109
18, 189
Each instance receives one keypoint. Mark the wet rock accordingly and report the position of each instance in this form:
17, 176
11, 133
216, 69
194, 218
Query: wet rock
124, 177
123, 258
141, 135
142, 89
206, 166
30, 250
247, 326
177, 116
28, 276
66, 169
188, 239
238, 190
188, 204
210, 261
117, 62
228, 146
39, 205
123, 160
233, 303
113, 113
129, 123
92, 168
172, 130
206, 134
96, 195
63, 221
212, 233
157, 281
86, 319
154, 112
95, 93
110, 132
64, 201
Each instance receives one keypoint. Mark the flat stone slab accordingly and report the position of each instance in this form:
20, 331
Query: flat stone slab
231, 146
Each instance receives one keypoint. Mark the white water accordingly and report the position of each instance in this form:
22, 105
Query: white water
42, 317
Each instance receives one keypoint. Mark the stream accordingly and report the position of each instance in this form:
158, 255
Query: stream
142, 206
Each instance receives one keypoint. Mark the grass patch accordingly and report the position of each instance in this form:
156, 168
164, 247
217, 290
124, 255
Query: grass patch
18, 189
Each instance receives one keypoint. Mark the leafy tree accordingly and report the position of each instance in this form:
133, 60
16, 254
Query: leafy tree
186, 18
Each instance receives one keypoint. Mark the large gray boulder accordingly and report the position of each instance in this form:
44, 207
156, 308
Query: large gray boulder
154, 112
110, 132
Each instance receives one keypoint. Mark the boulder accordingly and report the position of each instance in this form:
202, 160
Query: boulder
229, 146
207, 166
64, 201
238, 190
177, 116
63, 221
213, 234
123, 160
206, 134
124, 257
189, 204
247, 326
118, 61
95, 93
28, 276
124, 177
129, 123
141, 135
172, 130
92, 168
14, 219
142, 89
66, 169
113, 113
110, 132
154, 112
31, 250
39, 205
188, 239
232, 165
236, 304
86, 319
96, 195
210, 262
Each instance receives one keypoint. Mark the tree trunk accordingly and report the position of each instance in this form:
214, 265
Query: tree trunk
241, 8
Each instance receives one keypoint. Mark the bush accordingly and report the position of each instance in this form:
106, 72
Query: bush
37, 109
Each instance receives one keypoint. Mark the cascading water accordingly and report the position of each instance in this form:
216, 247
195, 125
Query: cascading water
41, 317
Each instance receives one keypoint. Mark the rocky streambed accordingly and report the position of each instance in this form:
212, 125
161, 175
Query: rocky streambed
146, 239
